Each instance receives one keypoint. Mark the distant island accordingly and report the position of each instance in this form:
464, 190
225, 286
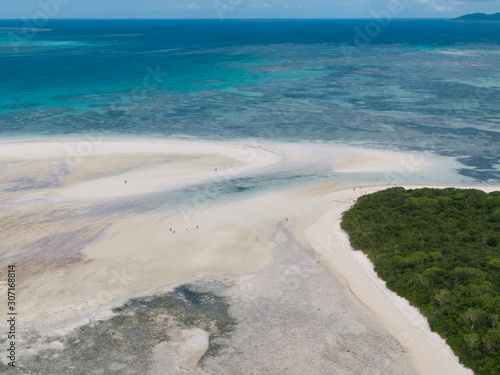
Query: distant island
479, 17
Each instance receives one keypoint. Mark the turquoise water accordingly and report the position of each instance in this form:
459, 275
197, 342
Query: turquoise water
420, 84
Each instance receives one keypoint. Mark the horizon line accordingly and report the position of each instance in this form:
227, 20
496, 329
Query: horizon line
227, 19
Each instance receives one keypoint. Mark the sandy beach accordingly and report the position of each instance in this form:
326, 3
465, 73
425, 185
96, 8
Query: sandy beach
429, 352
93, 223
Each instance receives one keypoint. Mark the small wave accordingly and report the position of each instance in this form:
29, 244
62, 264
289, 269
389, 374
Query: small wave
24, 29
120, 35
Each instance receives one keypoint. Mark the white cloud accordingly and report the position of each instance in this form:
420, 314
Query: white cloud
437, 5
192, 6
261, 6
442, 8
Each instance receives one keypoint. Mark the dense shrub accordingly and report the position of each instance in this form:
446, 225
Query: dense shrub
440, 249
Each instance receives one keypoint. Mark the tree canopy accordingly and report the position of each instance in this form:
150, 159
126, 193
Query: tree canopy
440, 249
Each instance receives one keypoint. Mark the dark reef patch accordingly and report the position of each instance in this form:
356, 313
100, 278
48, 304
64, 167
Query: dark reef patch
124, 343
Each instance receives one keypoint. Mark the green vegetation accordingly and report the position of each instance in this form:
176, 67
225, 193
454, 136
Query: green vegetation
479, 17
440, 249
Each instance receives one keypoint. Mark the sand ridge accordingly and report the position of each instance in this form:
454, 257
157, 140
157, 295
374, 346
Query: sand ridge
100, 168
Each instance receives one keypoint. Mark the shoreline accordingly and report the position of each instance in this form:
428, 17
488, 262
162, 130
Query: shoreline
405, 322
234, 237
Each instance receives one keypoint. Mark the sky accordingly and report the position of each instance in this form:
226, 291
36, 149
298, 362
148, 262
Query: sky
225, 9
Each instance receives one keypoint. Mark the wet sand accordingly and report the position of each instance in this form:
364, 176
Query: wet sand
91, 224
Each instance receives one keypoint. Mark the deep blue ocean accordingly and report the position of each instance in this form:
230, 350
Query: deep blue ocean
406, 84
